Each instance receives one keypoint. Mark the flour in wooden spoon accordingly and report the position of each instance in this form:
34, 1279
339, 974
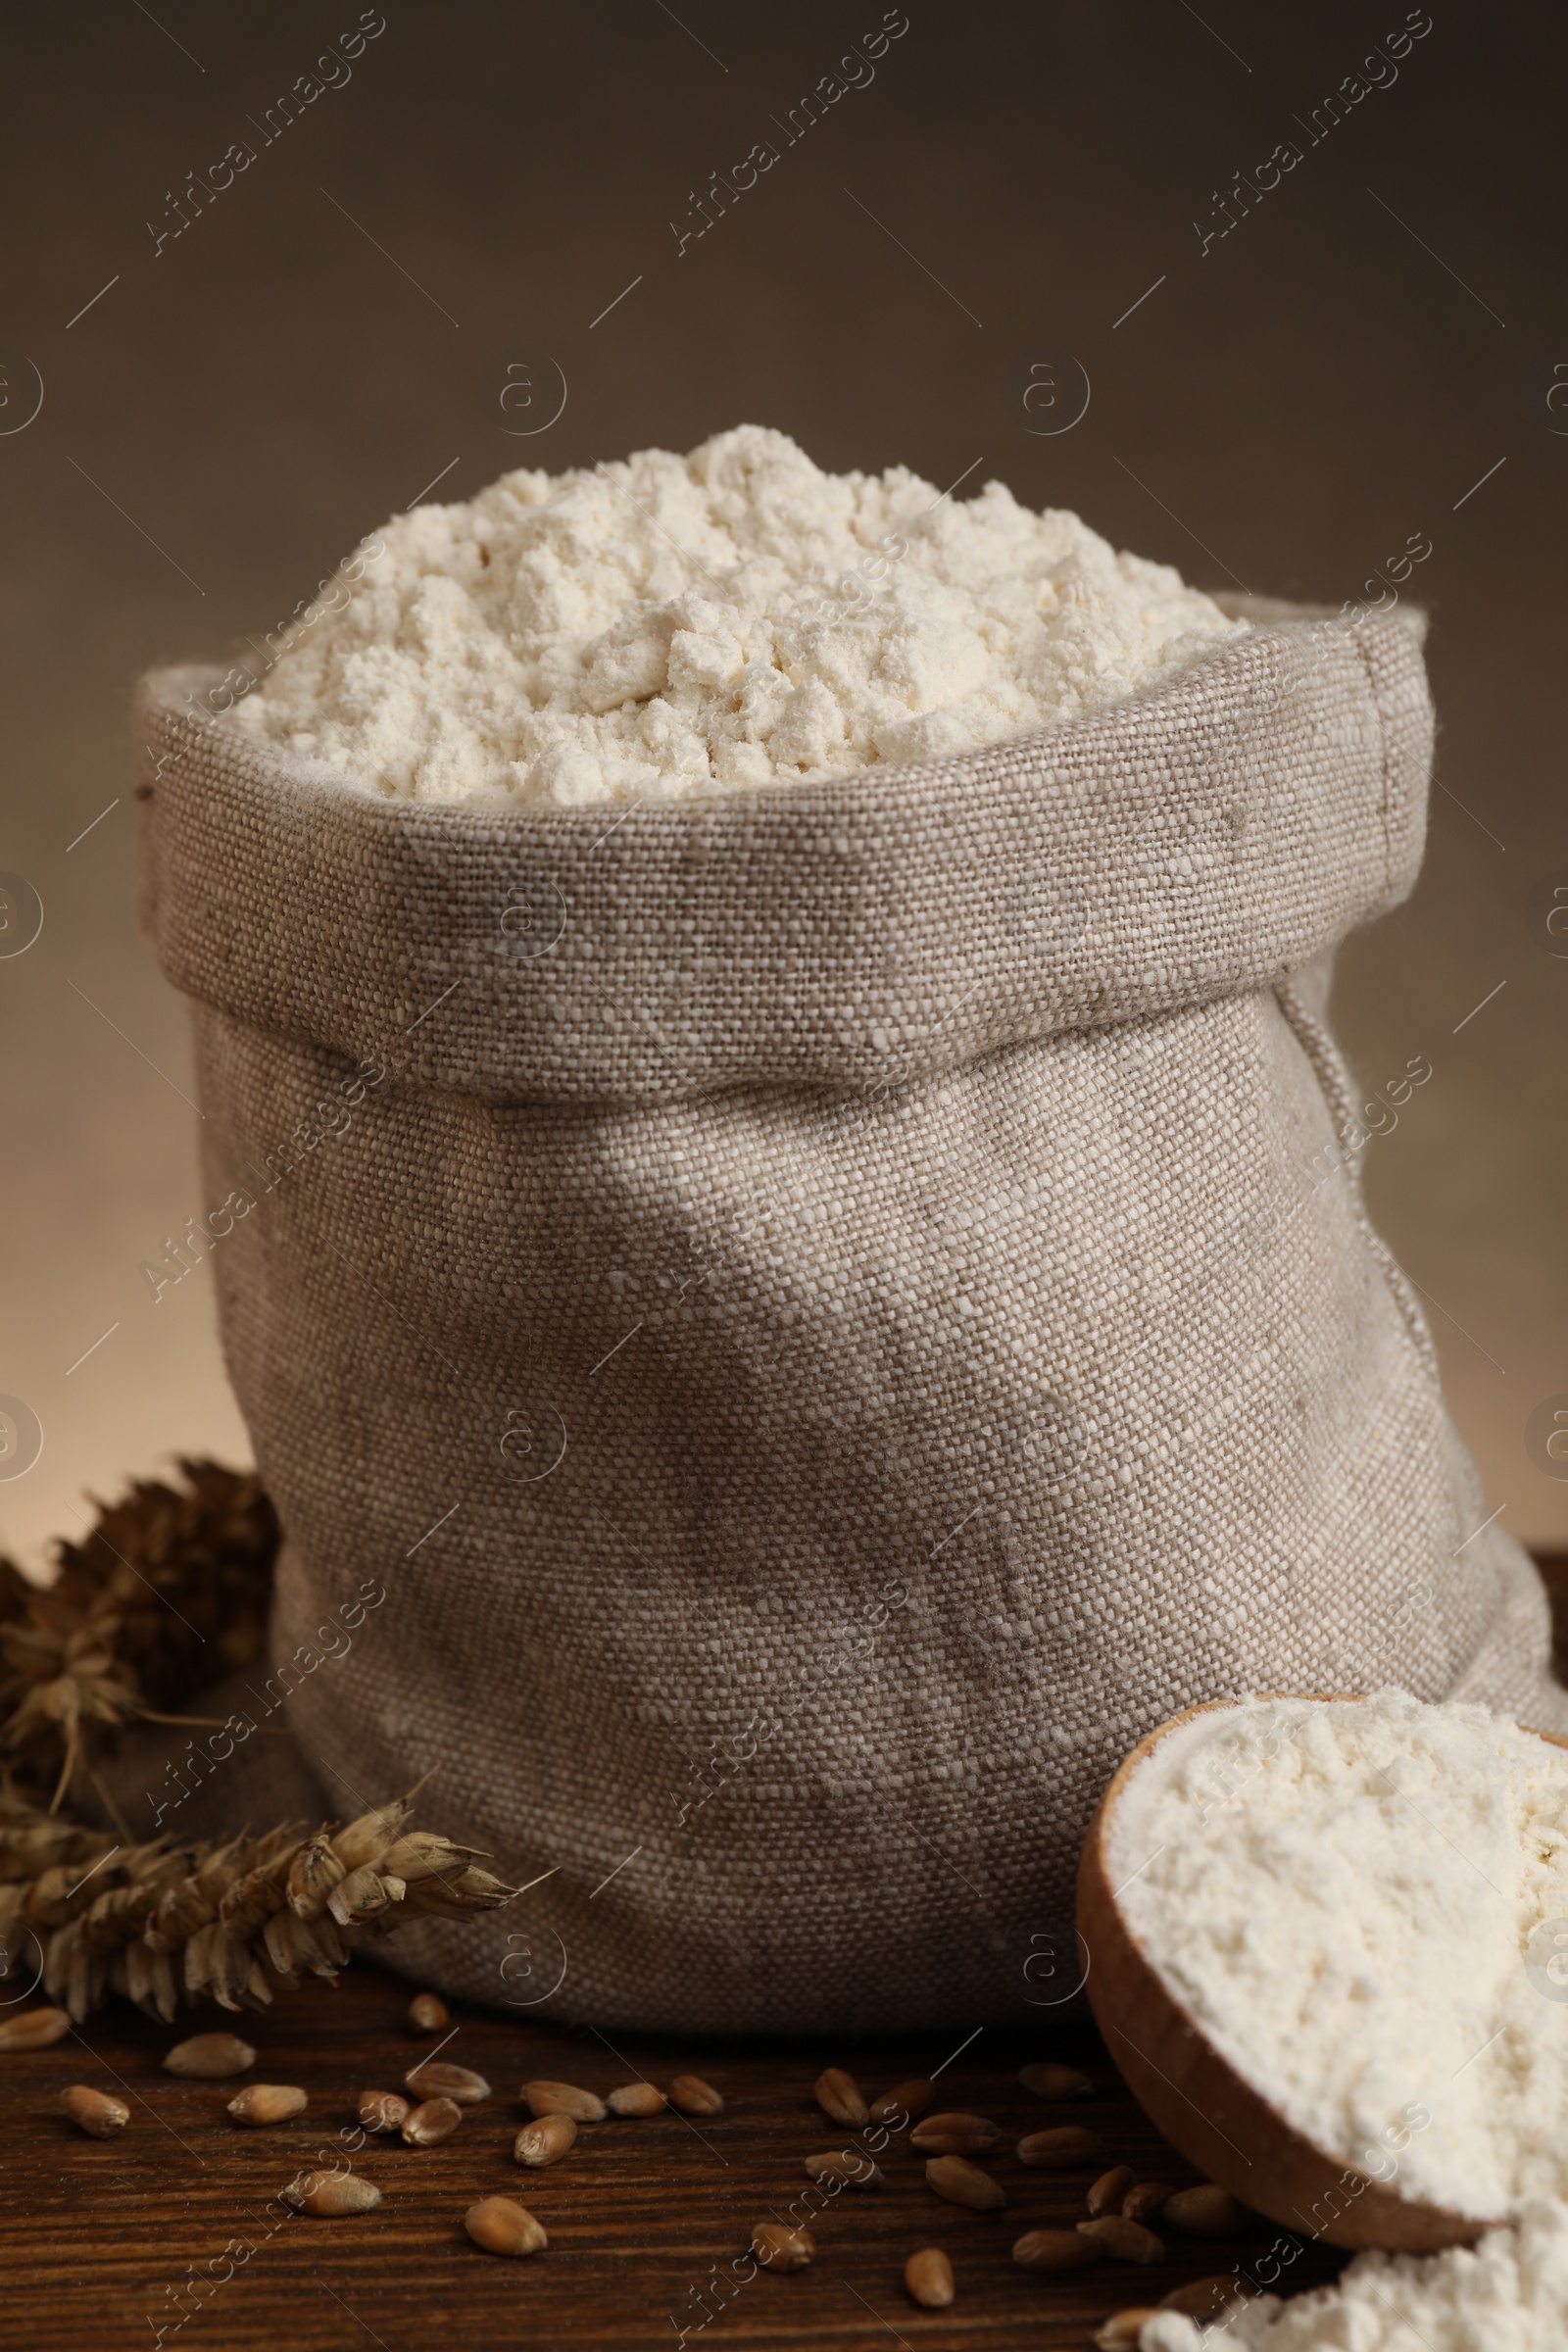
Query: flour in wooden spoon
669, 626
1364, 1905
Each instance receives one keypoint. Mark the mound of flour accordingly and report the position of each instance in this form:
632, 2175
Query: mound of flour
668, 625
1510, 2295
1365, 1906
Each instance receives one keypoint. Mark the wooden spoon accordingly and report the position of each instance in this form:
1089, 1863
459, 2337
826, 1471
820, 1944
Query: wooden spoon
1214, 2115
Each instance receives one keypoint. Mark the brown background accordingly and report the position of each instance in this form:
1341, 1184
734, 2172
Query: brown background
1285, 409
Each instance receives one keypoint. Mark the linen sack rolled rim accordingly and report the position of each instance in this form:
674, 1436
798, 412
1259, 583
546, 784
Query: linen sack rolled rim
1159, 852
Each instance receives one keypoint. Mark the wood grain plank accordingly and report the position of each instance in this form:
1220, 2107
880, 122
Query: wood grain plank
109, 2241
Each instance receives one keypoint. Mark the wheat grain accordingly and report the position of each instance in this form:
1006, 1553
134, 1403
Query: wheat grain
544, 2097
95, 2111
693, 2097
637, 2098
1107, 2193
1054, 2250
434, 2080
35, 2030
928, 2275
326, 2195
904, 2102
545, 2140
956, 2134
208, 2057
1206, 2210
1207, 2299
961, 2183
267, 2103
504, 2226
435, 2120
778, 2248
838, 2094
383, 2110
1048, 2081
1123, 2240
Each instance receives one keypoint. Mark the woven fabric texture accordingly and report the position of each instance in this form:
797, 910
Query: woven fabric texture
829, 1312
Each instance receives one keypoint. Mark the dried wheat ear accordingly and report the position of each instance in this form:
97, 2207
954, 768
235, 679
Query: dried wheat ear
169, 1592
235, 1922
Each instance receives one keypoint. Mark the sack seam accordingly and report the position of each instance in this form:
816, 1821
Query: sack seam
1385, 733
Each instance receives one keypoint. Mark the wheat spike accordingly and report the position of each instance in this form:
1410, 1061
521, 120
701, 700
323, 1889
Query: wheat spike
235, 1922
169, 1592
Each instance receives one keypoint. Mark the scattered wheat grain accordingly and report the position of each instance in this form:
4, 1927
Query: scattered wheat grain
504, 2226
95, 2111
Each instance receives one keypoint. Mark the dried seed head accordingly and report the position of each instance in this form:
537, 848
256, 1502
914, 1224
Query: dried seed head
454, 1892
1123, 2240
436, 2120
165, 1569
234, 1922
838, 2094
427, 2013
778, 2248
267, 2103
436, 2079
361, 1840
1054, 2250
178, 1912
362, 1894
1207, 2211
424, 1855
1058, 2151
847, 2166
904, 2102
956, 2134
255, 1895
928, 2275
545, 2140
637, 2098
1123, 2331
36, 2030
1050, 2081
209, 2056
95, 2111
1143, 2203
504, 2226
383, 2110
1205, 2298
328, 2194
1109, 2191
693, 2097
313, 1873
543, 2097
964, 2183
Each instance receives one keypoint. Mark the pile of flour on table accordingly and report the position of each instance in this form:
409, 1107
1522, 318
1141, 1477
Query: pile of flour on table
1364, 1905
668, 626
1510, 2295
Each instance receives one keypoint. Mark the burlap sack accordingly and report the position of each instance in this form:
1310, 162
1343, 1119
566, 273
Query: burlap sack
827, 1314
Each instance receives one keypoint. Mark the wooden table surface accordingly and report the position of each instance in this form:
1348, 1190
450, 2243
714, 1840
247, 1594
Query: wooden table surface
107, 2242
99, 2240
